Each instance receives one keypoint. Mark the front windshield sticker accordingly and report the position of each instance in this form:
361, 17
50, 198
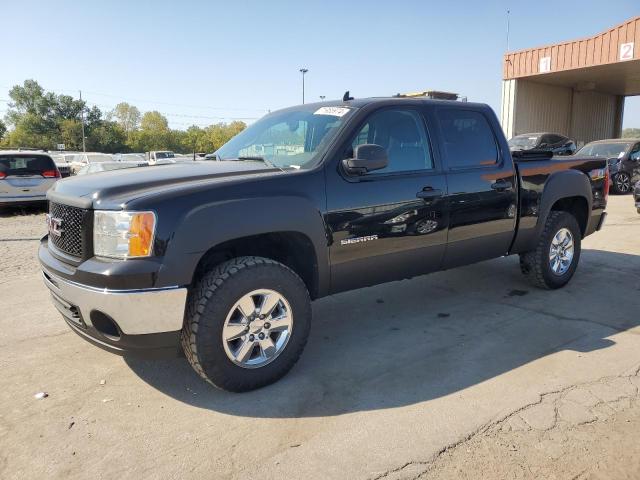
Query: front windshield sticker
334, 111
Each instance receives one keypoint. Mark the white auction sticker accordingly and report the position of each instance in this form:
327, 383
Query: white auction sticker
333, 111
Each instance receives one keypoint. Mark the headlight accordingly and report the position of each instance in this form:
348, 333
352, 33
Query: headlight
123, 234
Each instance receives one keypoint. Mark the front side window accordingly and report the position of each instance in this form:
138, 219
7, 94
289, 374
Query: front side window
609, 150
523, 142
402, 134
468, 138
291, 138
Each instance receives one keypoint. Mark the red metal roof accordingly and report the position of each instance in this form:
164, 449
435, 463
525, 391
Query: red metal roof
604, 48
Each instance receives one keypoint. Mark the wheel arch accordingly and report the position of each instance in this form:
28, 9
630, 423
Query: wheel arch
291, 248
286, 229
570, 191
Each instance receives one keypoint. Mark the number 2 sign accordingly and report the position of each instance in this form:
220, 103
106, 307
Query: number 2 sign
626, 51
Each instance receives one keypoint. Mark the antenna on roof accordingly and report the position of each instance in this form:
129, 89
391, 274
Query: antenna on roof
346, 97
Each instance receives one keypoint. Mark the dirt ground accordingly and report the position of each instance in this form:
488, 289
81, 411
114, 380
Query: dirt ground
464, 374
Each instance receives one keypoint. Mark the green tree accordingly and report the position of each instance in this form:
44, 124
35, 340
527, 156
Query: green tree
70, 133
108, 137
127, 116
220, 133
42, 119
154, 133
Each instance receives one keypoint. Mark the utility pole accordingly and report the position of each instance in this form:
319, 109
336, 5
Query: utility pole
303, 71
322, 97
82, 119
508, 27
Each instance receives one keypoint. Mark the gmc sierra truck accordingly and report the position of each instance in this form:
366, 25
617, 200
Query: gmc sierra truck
221, 259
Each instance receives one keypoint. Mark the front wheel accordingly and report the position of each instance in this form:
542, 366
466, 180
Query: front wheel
555, 259
622, 183
247, 323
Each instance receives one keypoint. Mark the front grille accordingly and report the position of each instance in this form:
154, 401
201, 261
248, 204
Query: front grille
73, 222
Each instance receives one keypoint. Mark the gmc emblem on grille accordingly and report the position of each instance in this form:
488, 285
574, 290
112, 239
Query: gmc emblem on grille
54, 225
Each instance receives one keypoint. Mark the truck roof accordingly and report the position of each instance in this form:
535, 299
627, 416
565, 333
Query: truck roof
361, 102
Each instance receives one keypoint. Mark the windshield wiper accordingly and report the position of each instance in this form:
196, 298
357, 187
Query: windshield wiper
261, 159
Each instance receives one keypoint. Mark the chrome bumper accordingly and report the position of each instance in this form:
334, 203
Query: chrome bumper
136, 312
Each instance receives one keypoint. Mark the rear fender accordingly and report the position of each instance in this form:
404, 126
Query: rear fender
559, 185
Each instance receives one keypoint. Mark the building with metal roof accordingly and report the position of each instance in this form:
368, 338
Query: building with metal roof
576, 88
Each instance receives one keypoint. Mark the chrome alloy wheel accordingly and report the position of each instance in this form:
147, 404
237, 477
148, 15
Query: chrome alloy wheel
257, 328
623, 182
561, 251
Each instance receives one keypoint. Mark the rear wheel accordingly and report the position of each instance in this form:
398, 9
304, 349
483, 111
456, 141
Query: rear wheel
247, 323
555, 259
622, 183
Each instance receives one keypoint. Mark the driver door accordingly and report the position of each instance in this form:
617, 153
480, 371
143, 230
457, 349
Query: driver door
391, 223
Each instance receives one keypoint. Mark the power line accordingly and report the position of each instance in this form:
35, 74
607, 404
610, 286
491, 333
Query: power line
166, 114
157, 102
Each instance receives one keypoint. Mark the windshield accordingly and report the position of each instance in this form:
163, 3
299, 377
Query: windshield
609, 150
165, 155
523, 142
294, 137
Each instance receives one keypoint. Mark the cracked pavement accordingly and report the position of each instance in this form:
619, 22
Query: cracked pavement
469, 373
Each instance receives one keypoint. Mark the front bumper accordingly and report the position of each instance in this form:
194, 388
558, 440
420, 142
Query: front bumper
143, 322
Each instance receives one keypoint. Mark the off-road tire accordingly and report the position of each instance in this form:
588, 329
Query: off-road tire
208, 305
535, 264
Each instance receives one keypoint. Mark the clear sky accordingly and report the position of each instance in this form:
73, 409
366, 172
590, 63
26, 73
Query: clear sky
207, 61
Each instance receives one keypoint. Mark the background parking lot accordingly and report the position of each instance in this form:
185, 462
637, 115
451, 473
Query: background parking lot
458, 374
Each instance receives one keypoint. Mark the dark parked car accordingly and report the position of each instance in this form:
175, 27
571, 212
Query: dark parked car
222, 259
623, 159
550, 142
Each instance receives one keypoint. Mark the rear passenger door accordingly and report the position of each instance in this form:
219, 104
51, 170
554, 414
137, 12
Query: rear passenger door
391, 223
482, 185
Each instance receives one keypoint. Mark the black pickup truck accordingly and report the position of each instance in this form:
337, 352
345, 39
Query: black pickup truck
221, 259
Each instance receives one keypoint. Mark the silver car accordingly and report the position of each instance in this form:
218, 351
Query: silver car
108, 166
25, 177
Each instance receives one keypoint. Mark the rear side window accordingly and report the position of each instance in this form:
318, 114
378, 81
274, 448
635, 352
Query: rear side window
468, 138
25, 165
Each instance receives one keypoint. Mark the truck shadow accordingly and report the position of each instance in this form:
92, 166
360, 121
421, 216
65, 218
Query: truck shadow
411, 341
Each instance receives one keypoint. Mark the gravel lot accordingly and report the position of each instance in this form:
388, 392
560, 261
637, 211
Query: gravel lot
469, 373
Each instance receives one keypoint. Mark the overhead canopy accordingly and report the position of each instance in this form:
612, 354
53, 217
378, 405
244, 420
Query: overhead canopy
608, 62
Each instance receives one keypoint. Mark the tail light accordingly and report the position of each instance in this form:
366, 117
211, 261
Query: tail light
51, 173
2, 175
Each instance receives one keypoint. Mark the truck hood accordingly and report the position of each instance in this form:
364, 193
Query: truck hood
114, 188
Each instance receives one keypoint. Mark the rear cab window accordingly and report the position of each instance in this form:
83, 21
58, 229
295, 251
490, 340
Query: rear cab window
26, 165
467, 138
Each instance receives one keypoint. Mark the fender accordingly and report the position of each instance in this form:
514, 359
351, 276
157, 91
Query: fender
559, 185
208, 225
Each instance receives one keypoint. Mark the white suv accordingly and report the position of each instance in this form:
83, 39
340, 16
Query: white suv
25, 177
